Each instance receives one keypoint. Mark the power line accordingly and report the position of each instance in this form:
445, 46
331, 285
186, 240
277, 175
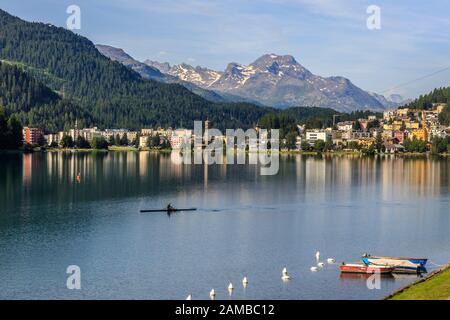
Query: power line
418, 79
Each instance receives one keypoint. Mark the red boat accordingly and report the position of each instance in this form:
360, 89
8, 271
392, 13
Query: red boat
362, 268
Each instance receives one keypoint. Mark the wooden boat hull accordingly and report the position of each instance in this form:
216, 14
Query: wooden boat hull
362, 268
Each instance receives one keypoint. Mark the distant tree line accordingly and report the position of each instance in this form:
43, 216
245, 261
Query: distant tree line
440, 145
438, 95
415, 145
97, 142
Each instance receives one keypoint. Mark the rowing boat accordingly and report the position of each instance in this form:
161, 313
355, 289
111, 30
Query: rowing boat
401, 264
362, 268
421, 261
169, 210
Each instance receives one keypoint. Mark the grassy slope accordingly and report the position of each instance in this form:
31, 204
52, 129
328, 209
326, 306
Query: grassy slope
435, 288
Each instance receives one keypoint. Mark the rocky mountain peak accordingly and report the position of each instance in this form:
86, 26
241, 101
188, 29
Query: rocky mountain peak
268, 60
280, 81
281, 65
117, 54
161, 66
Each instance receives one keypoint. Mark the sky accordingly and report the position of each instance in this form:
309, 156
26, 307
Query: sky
328, 37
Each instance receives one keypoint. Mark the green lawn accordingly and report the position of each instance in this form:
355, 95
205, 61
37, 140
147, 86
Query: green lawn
435, 288
122, 148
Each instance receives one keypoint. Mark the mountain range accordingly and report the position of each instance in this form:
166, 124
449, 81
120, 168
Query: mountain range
160, 72
271, 80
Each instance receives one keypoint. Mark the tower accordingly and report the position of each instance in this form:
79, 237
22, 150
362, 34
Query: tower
424, 126
206, 135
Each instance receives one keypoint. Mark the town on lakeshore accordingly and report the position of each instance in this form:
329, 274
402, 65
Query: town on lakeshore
399, 130
234, 153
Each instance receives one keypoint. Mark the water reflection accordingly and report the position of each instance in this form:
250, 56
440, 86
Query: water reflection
363, 277
247, 224
128, 174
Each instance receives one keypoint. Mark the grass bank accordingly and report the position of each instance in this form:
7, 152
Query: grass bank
122, 148
155, 150
436, 286
311, 153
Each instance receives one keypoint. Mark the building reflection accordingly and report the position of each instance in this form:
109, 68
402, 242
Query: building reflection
27, 167
134, 174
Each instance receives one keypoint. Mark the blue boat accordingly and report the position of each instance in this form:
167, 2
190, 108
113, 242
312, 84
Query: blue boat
401, 264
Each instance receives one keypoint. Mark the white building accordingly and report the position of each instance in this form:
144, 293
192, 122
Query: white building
147, 132
108, 133
439, 131
52, 137
315, 135
131, 136
357, 134
345, 126
143, 141
389, 114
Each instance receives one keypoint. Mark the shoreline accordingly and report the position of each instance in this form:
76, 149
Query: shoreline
281, 152
420, 289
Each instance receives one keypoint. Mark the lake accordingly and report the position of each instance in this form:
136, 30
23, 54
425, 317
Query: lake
246, 225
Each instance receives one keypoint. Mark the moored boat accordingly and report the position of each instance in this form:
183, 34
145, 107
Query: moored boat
362, 268
401, 264
421, 261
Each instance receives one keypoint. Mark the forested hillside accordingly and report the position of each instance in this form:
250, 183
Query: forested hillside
21, 92
35, 104
113, 95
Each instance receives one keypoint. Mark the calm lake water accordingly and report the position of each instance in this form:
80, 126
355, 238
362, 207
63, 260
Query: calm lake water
247, 225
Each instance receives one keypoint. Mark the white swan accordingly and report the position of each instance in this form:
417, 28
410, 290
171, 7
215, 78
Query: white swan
314, 269
230, 289
331, 260
212, 293
189, 297
285, 275
317, 256
245, 282
320, 264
